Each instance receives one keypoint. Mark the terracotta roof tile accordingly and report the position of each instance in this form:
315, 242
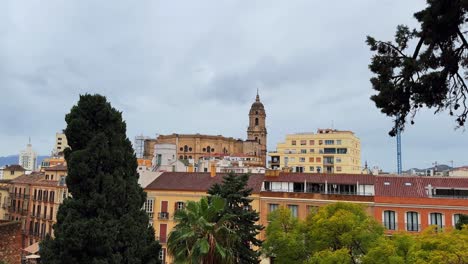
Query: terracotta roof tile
321, 178
414, 186
196, 181
58, 167
14, 167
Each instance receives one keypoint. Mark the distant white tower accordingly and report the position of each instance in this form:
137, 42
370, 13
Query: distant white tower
28, 158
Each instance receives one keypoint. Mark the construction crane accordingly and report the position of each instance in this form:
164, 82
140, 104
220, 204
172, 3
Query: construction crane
398, 140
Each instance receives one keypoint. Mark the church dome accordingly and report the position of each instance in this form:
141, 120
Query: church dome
257, 107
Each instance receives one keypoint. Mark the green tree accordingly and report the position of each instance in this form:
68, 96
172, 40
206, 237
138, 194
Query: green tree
286, 240
234, 190
344, 225
203, 234
463, 220
328, 256
423, 67
396, 249
103, 221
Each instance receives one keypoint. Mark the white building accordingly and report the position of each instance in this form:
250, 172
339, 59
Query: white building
240, 163
165, 159
28, 158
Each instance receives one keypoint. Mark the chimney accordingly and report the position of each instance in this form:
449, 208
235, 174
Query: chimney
212, 170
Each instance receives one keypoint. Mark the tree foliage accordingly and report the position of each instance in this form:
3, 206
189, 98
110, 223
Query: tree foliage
103, 221
424, 67
325, 235
203, 233
234, 190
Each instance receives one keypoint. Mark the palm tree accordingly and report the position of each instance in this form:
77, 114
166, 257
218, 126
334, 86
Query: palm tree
203, 234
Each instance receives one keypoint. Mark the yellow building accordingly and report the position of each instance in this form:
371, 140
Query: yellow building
4, 199
327, 151
171, 190
10, 172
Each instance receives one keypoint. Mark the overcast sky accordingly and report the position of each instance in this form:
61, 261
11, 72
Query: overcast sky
194, 67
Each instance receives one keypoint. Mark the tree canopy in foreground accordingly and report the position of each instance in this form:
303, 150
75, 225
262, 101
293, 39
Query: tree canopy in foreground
103, 221
424, 67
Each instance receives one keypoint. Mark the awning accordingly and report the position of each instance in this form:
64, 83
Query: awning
34, 248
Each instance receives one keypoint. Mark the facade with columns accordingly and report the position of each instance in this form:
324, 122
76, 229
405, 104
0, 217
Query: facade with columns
196, 146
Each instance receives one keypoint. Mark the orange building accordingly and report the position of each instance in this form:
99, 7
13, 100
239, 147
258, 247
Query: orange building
34, 200
414, 203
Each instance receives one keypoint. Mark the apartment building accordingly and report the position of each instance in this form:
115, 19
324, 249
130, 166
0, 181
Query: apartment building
61, 143
327, 151
34, 200
413, 203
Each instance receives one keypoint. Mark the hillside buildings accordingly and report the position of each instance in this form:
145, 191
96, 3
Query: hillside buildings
195, 146
28, 158
327, 151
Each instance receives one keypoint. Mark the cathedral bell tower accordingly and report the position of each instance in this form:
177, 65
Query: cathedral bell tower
257, 128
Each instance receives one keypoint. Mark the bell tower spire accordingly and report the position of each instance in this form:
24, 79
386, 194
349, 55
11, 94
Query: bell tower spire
257, 126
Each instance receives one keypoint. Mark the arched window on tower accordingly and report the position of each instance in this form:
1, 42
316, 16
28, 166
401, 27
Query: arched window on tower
256, 121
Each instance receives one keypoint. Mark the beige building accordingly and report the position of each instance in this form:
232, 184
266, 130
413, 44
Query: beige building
61, 143
327, 151
195, 146
11, 172
4, 199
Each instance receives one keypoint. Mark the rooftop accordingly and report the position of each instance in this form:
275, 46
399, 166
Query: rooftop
195, 181
14, 167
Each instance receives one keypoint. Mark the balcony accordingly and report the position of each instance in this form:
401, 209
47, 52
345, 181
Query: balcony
161, 239
413, 227
163, 216
150, 215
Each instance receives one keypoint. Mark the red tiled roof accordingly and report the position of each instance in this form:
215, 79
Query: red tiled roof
321, 178
14, 167
58, 167
414, 186
28, 178
196, 181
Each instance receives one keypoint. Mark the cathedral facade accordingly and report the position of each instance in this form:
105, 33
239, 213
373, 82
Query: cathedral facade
196, 146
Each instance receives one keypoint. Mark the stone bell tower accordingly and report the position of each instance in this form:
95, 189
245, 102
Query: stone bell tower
257, 127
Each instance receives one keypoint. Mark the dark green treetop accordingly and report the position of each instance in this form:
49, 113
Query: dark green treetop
102, 221
234, 189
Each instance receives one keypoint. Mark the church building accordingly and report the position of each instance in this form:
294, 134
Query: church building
196, 146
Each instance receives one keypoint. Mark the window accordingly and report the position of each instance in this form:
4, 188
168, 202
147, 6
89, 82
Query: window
341, 150
148, 206
338, 160
338, 168
311, 159
256, 121
311, 142
293, 142
179, 205
318, 159
456, 218
303, 142
329, 150
303, 151
436, 219
389, 220
412, 221
319, 169
162, 254
272, 207
311, 168
329, 142
320, 142
338, 142
312, 150
302, 159
293, 208
312, 209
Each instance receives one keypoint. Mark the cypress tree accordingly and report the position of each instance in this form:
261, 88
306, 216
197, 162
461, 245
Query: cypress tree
234, 190
103, 221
